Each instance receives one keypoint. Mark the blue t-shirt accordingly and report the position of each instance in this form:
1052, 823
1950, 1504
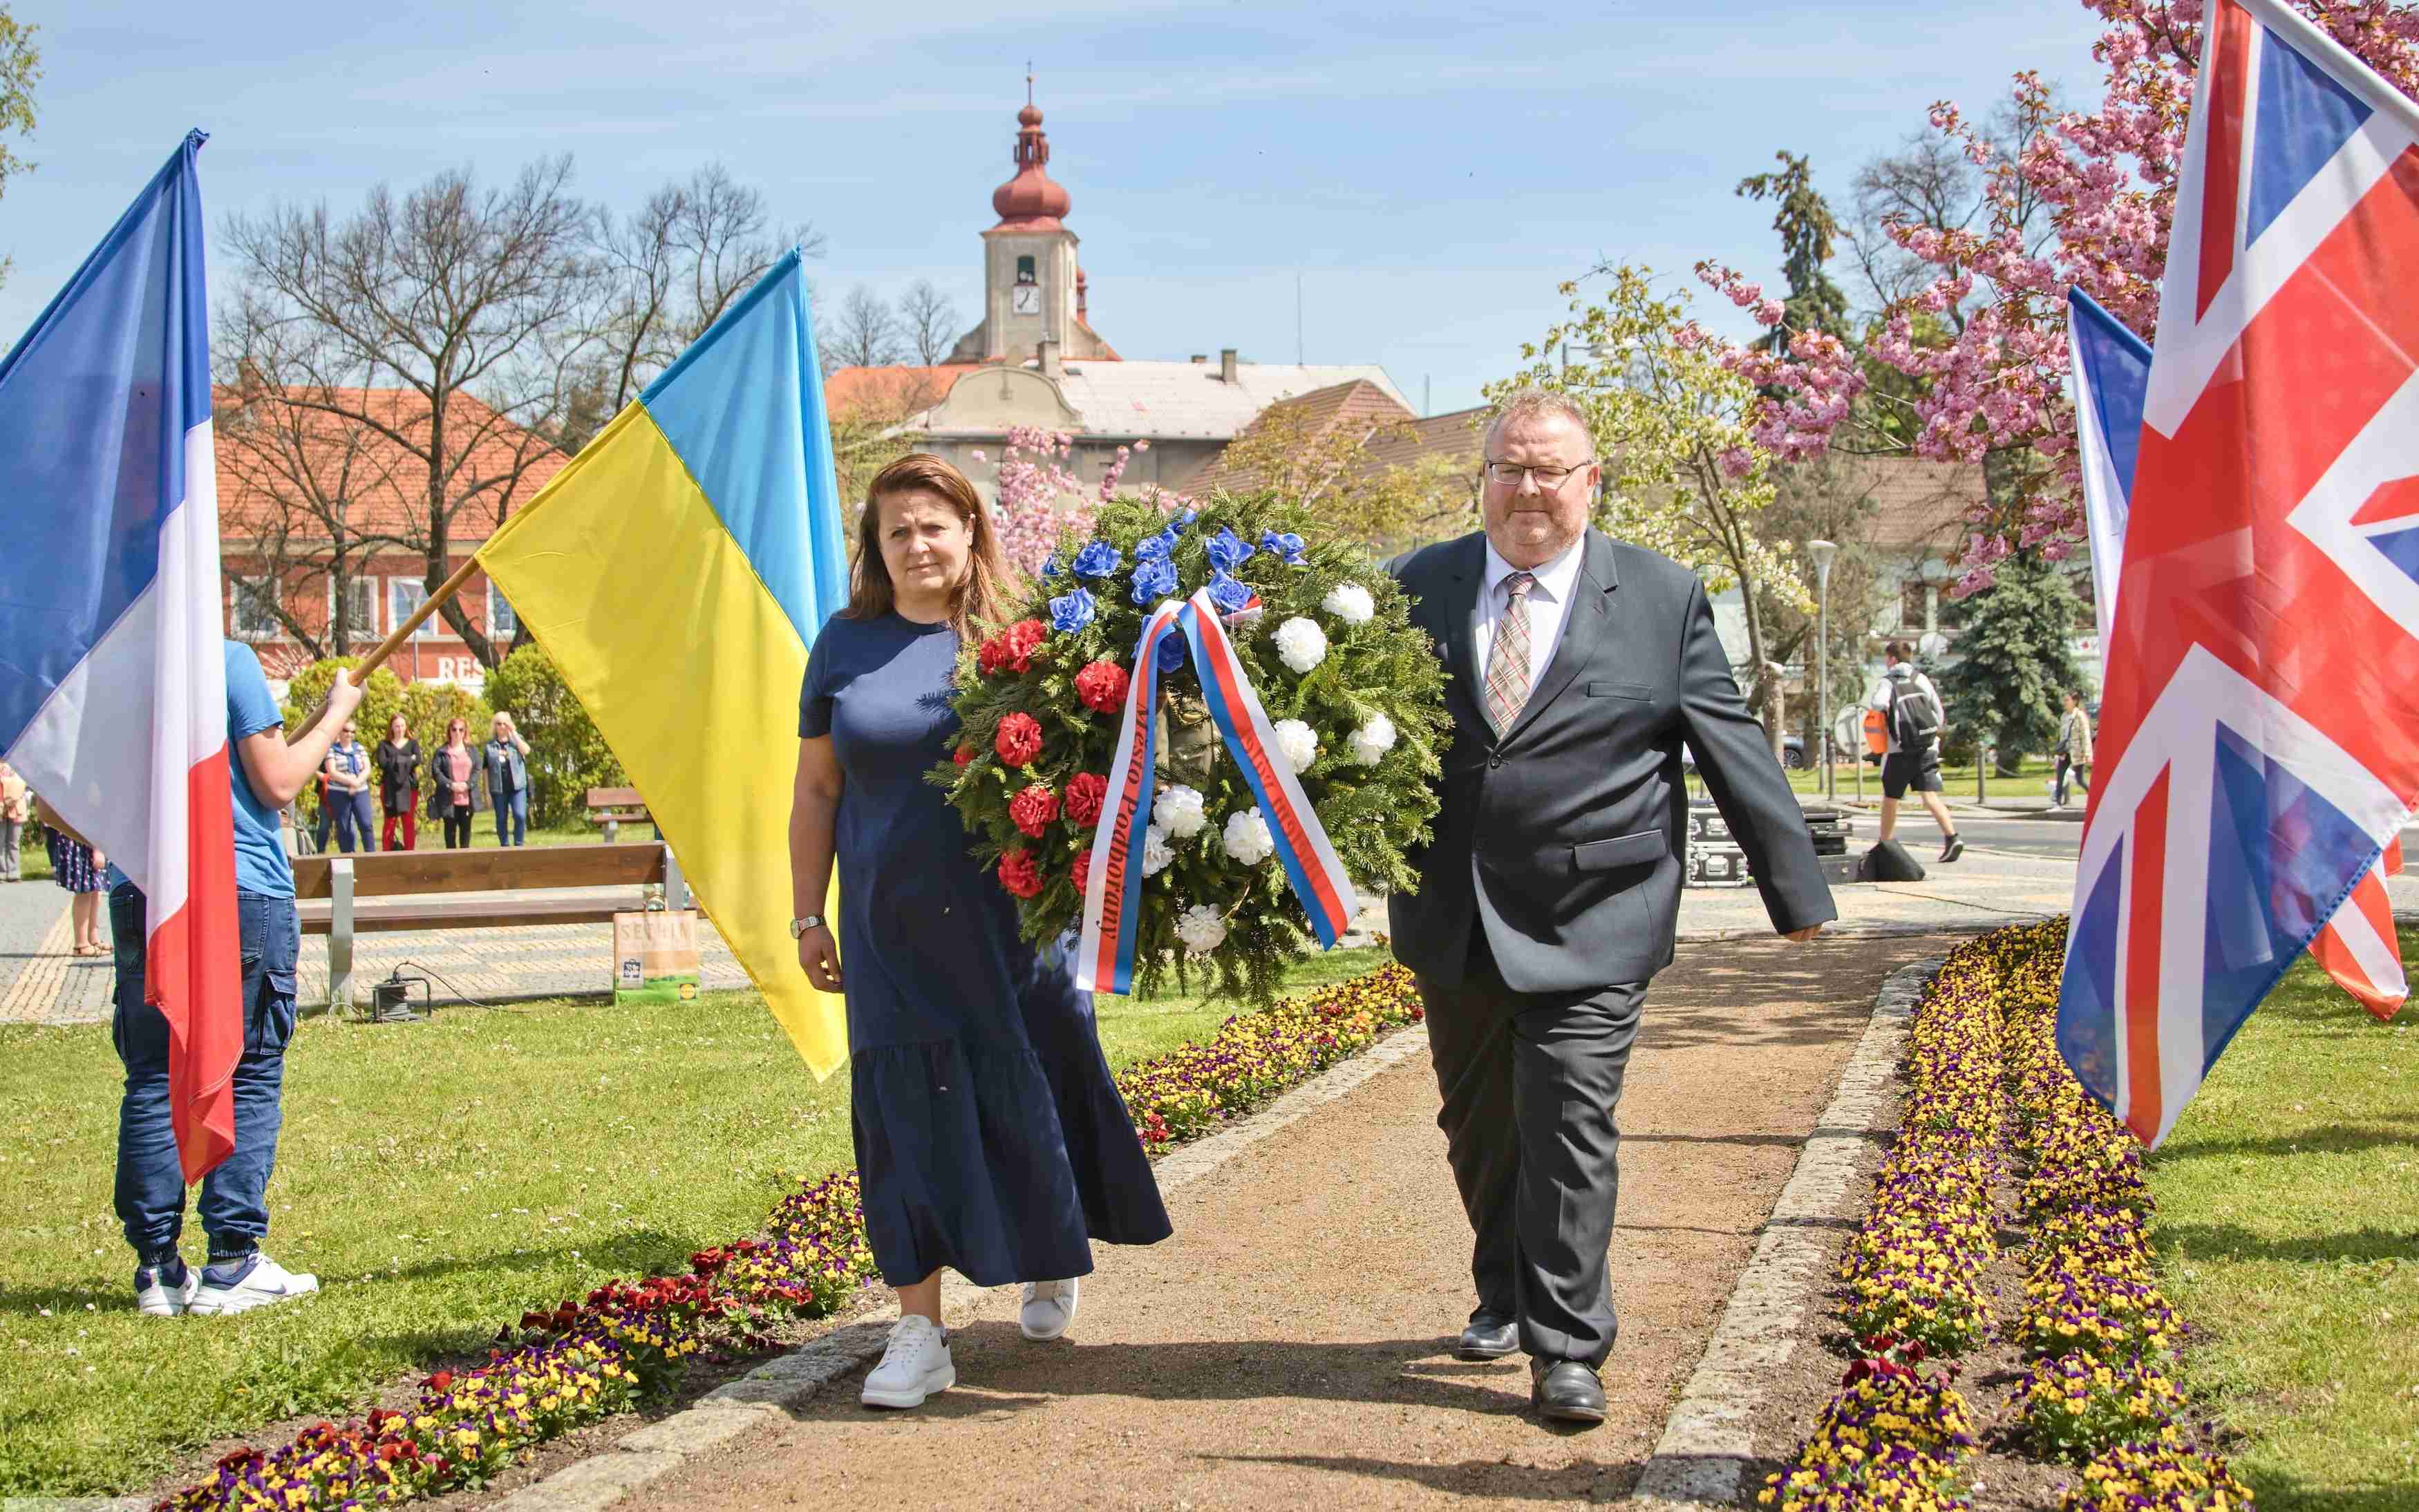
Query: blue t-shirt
260, 864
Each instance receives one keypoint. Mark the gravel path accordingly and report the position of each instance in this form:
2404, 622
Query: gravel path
1292, 1345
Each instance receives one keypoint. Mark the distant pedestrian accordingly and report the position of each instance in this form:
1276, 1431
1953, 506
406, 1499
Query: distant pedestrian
77, 868
15, 807
504, 761
347, 770
2073, 749
398, 765
454, 786
1912, 717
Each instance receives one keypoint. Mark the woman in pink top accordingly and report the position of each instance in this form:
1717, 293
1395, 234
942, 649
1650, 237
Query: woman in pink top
454, 786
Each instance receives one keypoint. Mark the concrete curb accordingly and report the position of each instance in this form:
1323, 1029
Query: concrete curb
763, 1395
1701, 1459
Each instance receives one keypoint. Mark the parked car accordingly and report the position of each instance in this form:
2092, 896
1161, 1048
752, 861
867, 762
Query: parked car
1793, 754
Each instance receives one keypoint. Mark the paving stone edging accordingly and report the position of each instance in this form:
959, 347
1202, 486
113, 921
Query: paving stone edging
763, 1395
1701, 1459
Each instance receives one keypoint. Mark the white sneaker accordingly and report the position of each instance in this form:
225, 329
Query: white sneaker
1049, 1308
265, 1283
914, 1365
154, 1297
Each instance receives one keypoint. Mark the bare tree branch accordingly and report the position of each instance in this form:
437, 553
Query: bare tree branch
865, 334
927, 322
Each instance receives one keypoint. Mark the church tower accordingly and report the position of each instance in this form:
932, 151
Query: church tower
1033, 290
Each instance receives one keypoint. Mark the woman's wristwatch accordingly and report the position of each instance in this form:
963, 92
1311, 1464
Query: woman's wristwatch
798, 927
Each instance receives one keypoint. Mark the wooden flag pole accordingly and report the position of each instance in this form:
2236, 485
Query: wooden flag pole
403, 632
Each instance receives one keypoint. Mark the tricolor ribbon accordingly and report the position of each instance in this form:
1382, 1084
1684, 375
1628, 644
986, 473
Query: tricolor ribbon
1113, 886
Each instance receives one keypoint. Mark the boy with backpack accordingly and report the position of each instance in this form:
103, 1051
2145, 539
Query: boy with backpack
1911, 720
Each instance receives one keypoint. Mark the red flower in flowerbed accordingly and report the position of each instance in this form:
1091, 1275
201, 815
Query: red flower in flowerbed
1082, 868
1101, 685
1018, 739
1018, 874
1085, 792
1034, 808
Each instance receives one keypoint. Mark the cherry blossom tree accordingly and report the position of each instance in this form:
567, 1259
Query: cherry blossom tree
1990, 386
1040, 496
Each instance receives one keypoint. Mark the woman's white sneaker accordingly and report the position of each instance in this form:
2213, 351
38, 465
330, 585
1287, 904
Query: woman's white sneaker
154, 1297
1049, 1308
260, 1285
914, 1365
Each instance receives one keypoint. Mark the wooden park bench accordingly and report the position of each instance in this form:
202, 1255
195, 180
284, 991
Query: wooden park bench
340, 895
616, 807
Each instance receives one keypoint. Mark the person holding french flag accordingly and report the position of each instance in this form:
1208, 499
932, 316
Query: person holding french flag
152, 738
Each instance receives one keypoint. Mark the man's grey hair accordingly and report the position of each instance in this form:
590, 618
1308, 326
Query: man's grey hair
1532, 403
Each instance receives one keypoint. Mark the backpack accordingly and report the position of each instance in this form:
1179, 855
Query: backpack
1913, 720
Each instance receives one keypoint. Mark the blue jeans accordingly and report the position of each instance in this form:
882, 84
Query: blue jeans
356, 826
512, 817
150, 1183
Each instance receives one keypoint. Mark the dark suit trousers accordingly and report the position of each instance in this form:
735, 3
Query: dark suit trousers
1528, 1083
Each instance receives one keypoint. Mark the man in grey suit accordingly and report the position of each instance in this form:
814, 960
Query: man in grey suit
1550, 893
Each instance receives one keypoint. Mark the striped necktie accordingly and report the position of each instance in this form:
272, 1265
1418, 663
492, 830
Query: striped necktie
1507, 657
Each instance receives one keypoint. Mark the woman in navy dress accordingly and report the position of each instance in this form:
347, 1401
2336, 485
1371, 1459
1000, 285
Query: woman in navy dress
990, 1134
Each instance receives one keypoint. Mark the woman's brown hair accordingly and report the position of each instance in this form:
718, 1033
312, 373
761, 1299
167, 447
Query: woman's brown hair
982, 597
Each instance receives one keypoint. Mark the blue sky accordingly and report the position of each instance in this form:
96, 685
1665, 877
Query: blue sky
1430, 173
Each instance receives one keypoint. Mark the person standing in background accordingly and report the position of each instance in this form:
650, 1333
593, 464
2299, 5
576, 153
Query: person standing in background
453, 784
77, 868
398, 765
347, 770
504, 761
13, 812
2073, 749
1913, 716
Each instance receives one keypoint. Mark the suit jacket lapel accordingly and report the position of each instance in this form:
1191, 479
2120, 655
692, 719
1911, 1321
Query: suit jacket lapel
1582, 627
1468, 571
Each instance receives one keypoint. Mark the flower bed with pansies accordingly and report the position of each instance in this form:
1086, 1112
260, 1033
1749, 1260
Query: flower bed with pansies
2001, 1157
625, 1344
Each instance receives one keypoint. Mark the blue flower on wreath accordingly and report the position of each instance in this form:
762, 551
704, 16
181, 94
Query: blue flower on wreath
1097, 559
1172, 651
1153, 548
1186, 518
1154, 578
1050, 567
1287, 546
1227, 550
1071, 611
1228, 592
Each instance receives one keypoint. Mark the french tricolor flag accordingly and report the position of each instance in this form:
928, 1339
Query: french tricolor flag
113, 683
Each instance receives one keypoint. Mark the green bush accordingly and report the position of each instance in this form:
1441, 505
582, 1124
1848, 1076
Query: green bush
429, 707
568, 756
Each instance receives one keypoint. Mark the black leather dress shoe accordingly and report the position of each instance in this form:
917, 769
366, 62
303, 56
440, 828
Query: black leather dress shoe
1565, 1391
1489, 1336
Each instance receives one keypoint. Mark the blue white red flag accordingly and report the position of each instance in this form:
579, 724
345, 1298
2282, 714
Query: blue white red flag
2259, 731
2112, 374
112, 685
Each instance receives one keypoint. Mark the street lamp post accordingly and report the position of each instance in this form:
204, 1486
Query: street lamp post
1823, 552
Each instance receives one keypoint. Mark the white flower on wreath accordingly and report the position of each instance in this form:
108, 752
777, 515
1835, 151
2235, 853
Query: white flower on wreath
1371, 742
1350, 603
1247, 837
1200, 927
1156, 853
1179, 812
1302, 644
1298, 742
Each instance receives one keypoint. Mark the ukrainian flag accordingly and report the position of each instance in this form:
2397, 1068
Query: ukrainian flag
676, 572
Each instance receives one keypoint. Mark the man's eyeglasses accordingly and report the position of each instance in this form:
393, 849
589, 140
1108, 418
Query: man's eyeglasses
1508, 474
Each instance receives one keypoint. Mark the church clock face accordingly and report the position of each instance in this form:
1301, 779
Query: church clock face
1026, 299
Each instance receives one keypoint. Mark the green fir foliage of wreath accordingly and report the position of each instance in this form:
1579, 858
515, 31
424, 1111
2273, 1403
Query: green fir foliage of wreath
1372, 814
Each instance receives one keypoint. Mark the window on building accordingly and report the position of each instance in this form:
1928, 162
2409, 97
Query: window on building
255, 609
1025, 270
504, 626
404, 597
360, 608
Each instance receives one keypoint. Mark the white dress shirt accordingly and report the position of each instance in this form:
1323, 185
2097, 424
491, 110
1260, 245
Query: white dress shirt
1549, 606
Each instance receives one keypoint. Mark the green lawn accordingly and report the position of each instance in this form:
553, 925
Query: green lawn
440, 1178
2288, 1236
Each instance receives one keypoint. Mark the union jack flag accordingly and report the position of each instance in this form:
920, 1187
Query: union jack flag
2259, 731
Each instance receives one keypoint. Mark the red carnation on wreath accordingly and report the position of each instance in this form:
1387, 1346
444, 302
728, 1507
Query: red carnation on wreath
1085, 792
1018, 739
963, 754
1033, 808
1082, 866
1021, 641
1018, 874
990, 657
1101, 685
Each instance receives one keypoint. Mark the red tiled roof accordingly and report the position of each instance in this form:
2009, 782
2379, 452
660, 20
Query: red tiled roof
901, 387
1358, 404
274, 450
